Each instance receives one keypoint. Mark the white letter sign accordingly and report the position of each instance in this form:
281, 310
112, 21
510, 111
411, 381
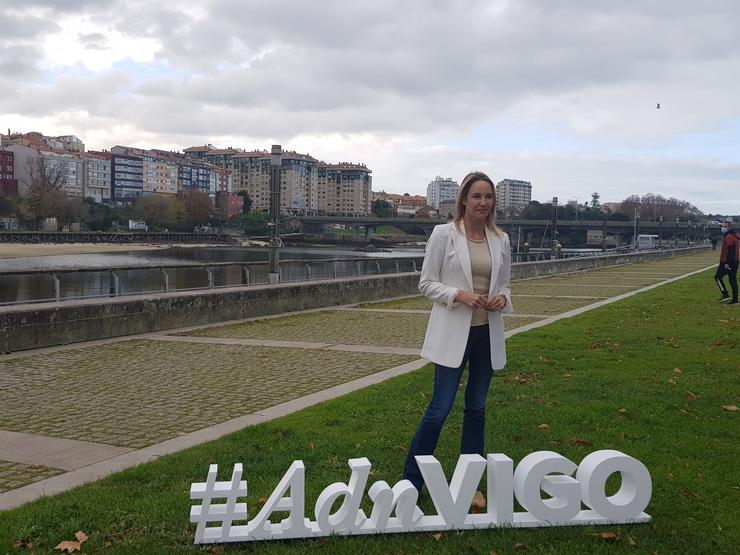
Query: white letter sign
395, 508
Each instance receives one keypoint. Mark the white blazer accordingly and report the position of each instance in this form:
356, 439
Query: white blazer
445, 271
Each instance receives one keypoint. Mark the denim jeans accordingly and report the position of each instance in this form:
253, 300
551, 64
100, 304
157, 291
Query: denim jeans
446, 382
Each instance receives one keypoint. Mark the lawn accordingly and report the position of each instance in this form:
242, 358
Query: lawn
649, 376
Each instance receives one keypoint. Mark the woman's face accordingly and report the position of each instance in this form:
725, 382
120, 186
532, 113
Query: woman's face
479, 200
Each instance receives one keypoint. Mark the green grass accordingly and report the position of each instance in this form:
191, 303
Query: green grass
604, 377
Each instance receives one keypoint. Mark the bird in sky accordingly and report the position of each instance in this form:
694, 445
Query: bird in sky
657, 106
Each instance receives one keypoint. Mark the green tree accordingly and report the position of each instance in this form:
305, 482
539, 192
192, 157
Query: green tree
382, 208
595, 200
246, 202
8, 205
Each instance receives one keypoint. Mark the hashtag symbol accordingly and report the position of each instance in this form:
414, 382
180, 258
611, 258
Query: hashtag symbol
222, 513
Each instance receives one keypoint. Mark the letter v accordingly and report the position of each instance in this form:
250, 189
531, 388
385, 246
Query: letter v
452, 501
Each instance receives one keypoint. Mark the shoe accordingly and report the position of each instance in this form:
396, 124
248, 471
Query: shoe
479, 502
733, 302
725, 299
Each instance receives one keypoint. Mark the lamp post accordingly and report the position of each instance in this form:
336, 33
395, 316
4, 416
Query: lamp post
554, 222
276, 160
603, 231
637, 227
660, 233
676, 244
688, 234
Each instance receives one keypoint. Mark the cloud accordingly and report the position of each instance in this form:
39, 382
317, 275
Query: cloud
381, 79
93, 41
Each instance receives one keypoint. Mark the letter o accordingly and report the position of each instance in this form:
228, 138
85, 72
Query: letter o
634, 494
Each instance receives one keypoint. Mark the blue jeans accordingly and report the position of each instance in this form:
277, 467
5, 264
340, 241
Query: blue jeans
446, 382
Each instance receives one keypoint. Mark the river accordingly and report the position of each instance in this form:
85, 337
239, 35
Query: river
35, 287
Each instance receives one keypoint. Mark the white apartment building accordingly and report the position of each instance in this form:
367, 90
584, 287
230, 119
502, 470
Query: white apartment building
513, 192
441, 189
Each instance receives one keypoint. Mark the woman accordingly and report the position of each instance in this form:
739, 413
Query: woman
466, 272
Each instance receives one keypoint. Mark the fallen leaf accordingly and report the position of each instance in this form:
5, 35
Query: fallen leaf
609, 536
579, 441
262, 500
216, 550
437, 536
723, 321
311, 445
554, 442
567, 375
520, 546
68, 546
493, 553
671, 380
631, 540
621, 436
731, 408
677, 371
690, 396
616, 344
622, 410
544, 427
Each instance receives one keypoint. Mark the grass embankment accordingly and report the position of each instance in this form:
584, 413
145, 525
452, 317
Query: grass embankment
648, 376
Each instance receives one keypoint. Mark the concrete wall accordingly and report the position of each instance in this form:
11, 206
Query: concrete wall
50, 324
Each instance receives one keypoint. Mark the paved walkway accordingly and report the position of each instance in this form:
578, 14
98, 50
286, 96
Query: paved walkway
77, 413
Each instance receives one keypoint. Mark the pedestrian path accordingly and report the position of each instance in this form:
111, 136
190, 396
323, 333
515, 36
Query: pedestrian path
76, 413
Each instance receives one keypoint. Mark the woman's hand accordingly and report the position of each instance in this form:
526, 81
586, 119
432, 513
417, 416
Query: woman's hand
496, 303
473, 300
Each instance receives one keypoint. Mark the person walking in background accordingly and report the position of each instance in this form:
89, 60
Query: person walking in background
714, 243
728, 263
466, 273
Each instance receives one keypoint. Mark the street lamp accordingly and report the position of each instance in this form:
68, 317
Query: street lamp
554, 221
276, 161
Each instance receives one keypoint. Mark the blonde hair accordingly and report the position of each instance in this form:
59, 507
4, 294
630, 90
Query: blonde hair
467, 182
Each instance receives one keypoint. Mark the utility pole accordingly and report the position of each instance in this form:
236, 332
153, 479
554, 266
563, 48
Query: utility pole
660, 233
554, 222
603, 231
676, 245
276, 161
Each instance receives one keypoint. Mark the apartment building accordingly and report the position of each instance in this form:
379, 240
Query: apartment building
511, 193
344, 189
441, 189
127, 173
159, 174
8, 181
97, 175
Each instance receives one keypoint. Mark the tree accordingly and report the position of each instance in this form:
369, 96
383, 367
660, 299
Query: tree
653, 207
246, 202
45, 182
382, 208
8, 205
157, 210
198, 207
595, 200
99, 216
72, 209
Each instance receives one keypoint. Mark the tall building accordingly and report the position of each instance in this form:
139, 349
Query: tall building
513, 192
8, 181
159, 174
344, 189
441, 189
127, 167
96, 170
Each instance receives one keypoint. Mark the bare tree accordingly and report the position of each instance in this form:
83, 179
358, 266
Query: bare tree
45, 181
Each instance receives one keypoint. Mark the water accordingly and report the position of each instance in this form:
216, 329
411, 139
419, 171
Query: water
35, 287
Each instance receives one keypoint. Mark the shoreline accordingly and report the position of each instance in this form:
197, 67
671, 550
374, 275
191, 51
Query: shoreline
27, 250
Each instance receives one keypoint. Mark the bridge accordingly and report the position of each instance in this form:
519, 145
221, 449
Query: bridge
667, 230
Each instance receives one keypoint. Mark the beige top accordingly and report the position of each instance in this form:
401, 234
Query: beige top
480, 264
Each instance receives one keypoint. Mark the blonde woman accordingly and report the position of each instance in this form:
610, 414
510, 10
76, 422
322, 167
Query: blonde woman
466, 273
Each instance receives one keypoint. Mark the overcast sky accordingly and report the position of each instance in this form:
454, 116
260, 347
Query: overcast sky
559, 93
